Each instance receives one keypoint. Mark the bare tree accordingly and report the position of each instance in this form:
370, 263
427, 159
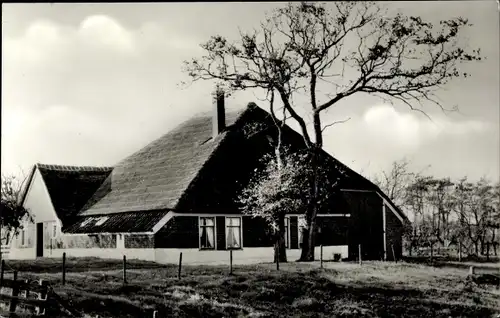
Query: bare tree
394, 183
477, 210
331, 52
12, 213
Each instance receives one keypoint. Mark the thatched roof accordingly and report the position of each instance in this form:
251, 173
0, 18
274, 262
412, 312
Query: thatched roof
117, 223
71, 187
156, 176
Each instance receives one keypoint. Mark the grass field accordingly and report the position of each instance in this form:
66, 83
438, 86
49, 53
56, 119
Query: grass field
375, 289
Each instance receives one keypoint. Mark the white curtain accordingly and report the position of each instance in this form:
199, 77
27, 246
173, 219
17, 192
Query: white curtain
207, 233
233, 226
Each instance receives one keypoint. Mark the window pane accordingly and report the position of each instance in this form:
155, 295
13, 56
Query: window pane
233, 221
207, 237
207, 221
233, 237
207, 233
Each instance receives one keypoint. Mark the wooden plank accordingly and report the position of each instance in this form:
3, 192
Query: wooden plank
33, 286
4, 313
17, 299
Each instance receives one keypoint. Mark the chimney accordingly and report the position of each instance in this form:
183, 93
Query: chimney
219, 113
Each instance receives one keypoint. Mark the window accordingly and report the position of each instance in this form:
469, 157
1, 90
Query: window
101, 220
54, 230
287, 232
85, 222
207, 233
233, 232
302, 225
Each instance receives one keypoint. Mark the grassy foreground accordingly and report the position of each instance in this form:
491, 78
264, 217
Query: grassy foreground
375, 289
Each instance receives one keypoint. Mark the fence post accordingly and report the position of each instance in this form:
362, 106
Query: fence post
124, 269
43, 295
460, 251
471, 270
64, 269
2, 270
278, 256
231, 262
27, 290
180, 266
15, 293
394, 254
359, 252
321, 255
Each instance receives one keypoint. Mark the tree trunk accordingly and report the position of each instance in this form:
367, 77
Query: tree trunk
280, 241
309, 237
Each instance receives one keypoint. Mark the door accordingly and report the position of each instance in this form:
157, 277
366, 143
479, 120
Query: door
39, 240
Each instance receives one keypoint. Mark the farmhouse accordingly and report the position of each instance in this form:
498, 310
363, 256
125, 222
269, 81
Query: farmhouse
178, 194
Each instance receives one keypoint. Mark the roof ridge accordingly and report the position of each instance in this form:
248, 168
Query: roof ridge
72, 168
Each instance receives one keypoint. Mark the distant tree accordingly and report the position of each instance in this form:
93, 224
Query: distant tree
441, 203
330, 53
394, 183
477, 212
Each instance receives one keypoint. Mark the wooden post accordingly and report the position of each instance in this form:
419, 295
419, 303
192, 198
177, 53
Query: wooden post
15, 293
359, 252
124, 269
471, 270
278, 256
43, 295
460, 251
27, 290
393, 254
321, 255
64, 269
2, 270
180, 266
432, 251
231, 262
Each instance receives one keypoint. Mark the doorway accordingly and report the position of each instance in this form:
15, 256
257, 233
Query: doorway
39, 240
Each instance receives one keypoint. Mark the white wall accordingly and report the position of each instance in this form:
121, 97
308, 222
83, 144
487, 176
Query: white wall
38, 200
40, 207
193, 256
146, 254
248, 255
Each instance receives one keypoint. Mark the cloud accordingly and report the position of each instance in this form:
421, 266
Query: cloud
412, 130
69, 90
104, 30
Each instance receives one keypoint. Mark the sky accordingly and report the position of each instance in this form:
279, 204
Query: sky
89, 84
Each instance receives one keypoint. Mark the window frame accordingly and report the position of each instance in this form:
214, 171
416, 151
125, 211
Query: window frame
287, 232
214, 236
300, 238
240, 232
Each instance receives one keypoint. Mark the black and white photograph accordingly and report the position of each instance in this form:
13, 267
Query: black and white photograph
250, 159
